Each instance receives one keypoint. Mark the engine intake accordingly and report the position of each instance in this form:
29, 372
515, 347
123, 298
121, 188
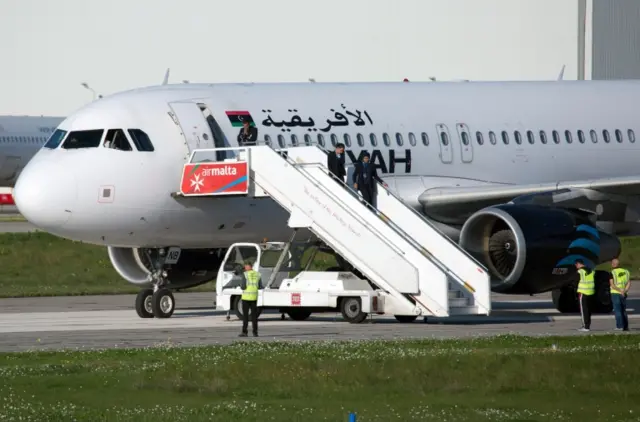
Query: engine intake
195, 266
532, 248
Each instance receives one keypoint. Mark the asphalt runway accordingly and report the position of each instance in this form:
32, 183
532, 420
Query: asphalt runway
91, 322
16, 227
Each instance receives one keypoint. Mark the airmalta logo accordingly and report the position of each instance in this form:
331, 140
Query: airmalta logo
237, 118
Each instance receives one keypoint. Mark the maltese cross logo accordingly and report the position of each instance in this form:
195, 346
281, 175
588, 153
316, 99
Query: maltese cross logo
196, 183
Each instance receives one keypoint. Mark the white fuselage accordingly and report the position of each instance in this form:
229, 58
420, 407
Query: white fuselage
63, 190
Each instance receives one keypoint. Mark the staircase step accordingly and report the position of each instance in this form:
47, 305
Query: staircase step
455, 294
459, 303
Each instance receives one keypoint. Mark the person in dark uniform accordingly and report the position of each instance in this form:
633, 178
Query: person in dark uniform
248, 135
365, 176
335, 162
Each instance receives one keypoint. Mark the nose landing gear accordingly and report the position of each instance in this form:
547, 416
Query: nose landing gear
158, 301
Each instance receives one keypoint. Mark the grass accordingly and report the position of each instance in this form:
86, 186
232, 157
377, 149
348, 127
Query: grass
505, 378
40, 264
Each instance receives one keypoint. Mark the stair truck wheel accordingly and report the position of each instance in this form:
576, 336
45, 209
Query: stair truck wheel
163, 303
144, 307
351, 308
298, 314
406, 318
237, 305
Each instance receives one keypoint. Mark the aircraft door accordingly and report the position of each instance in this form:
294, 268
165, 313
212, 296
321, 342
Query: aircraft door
466, 146
195, 128
444, 138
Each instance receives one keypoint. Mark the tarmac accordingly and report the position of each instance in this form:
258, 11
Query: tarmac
98, 322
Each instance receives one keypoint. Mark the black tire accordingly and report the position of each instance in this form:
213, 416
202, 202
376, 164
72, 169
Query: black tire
602, 303
406, 318
565, 300
144, 300
237, 307
351, 308
298, 314
163, 303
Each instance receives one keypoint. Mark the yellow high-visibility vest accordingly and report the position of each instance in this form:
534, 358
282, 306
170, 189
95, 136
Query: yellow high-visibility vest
621, 278
587, 285
253, 280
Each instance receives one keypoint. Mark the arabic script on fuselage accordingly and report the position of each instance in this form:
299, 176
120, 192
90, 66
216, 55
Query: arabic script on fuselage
339, 119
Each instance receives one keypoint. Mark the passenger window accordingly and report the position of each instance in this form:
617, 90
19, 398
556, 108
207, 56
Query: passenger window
360, 139
54, 140
141, 140
373, 139
281, 141
399, 139
83, 139
594, 136
516, 134
347, 140
294, 140
581, 136
632, 136
618, 135
425, 139
479, 138
444, 138
530, 137
386, 140
492, 138
567, 136
321, 140
412, 139
334, 139
606, 136
116, 139
556, 136
465, 138
267, 140
307, 139
505, 137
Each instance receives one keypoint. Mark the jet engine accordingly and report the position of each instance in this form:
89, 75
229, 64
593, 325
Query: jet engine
532, 249
195, 266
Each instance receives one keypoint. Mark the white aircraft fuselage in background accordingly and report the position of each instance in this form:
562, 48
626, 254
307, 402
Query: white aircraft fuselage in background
448, 149
20, 138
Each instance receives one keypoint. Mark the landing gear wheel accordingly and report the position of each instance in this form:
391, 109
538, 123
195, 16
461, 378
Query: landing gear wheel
163, 303
144, 307
351, 308
565, 300
406, 318
298, 314
237, 305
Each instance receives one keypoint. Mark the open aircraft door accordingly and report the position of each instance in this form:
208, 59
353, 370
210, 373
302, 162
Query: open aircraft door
195, 128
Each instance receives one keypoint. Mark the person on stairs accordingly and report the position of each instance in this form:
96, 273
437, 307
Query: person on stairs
364, 178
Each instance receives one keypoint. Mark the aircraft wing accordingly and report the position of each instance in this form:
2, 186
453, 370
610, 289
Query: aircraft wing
583, 194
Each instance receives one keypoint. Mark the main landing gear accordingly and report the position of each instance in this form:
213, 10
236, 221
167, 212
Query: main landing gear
158, 301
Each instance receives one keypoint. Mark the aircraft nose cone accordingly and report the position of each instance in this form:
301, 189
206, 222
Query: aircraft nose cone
45, 194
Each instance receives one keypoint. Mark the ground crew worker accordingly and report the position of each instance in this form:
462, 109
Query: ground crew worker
620, 282
251, 283
586, 290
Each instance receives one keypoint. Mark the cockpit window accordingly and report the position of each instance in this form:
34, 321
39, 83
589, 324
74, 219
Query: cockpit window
83, 139
56, 139
141, 140
116, 139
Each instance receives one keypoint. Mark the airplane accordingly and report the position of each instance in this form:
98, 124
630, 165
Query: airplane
20, 138
525, 176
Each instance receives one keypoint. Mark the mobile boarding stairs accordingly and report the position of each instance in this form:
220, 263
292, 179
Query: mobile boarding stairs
418, 270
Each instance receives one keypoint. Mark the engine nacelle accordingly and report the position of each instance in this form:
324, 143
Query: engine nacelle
532, 249
195, 266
